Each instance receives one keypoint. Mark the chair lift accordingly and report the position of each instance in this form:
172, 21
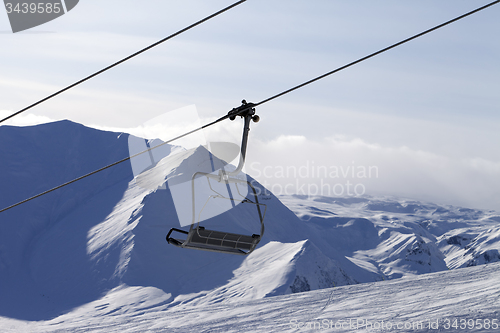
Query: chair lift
218, 241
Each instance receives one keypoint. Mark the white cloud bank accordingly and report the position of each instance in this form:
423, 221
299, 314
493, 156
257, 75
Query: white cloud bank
27, 119
340, 166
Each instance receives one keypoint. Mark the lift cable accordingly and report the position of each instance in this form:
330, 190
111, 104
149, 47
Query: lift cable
377, 53
242, 109
125, 59
111, 165
252, 105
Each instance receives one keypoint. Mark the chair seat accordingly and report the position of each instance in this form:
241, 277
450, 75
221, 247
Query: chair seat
211, 240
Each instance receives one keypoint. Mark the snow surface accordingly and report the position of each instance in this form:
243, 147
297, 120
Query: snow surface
425, 303
93, 256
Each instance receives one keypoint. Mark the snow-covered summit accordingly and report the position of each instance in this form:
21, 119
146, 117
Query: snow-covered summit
73, 246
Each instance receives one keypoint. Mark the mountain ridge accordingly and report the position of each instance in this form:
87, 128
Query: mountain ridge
70, 248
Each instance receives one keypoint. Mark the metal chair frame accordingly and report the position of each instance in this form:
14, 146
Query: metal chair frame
217, 241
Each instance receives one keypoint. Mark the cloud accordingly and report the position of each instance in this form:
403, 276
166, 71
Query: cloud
27, 119
337, 165
342, 166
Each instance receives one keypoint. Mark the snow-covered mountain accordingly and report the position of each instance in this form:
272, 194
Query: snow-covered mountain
103, 238
71, 246
413, 237
463, 300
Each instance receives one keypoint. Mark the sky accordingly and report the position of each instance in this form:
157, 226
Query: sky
423, 118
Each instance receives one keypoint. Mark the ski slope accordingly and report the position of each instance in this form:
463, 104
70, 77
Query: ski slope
93, 255
426, 303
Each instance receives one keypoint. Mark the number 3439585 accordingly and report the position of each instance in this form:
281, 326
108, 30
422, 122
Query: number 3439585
33, 7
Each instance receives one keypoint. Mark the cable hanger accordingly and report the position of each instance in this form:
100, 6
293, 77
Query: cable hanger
244, 108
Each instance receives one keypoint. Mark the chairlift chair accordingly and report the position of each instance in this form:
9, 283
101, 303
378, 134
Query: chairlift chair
200, 238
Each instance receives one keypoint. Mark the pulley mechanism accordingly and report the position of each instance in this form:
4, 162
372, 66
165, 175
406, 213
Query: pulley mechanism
245, 110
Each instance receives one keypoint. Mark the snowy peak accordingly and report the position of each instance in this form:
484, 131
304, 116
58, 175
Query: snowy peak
395, 237
179, 167
405, 253
43, 251
276, 269
313, 270
471, 246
